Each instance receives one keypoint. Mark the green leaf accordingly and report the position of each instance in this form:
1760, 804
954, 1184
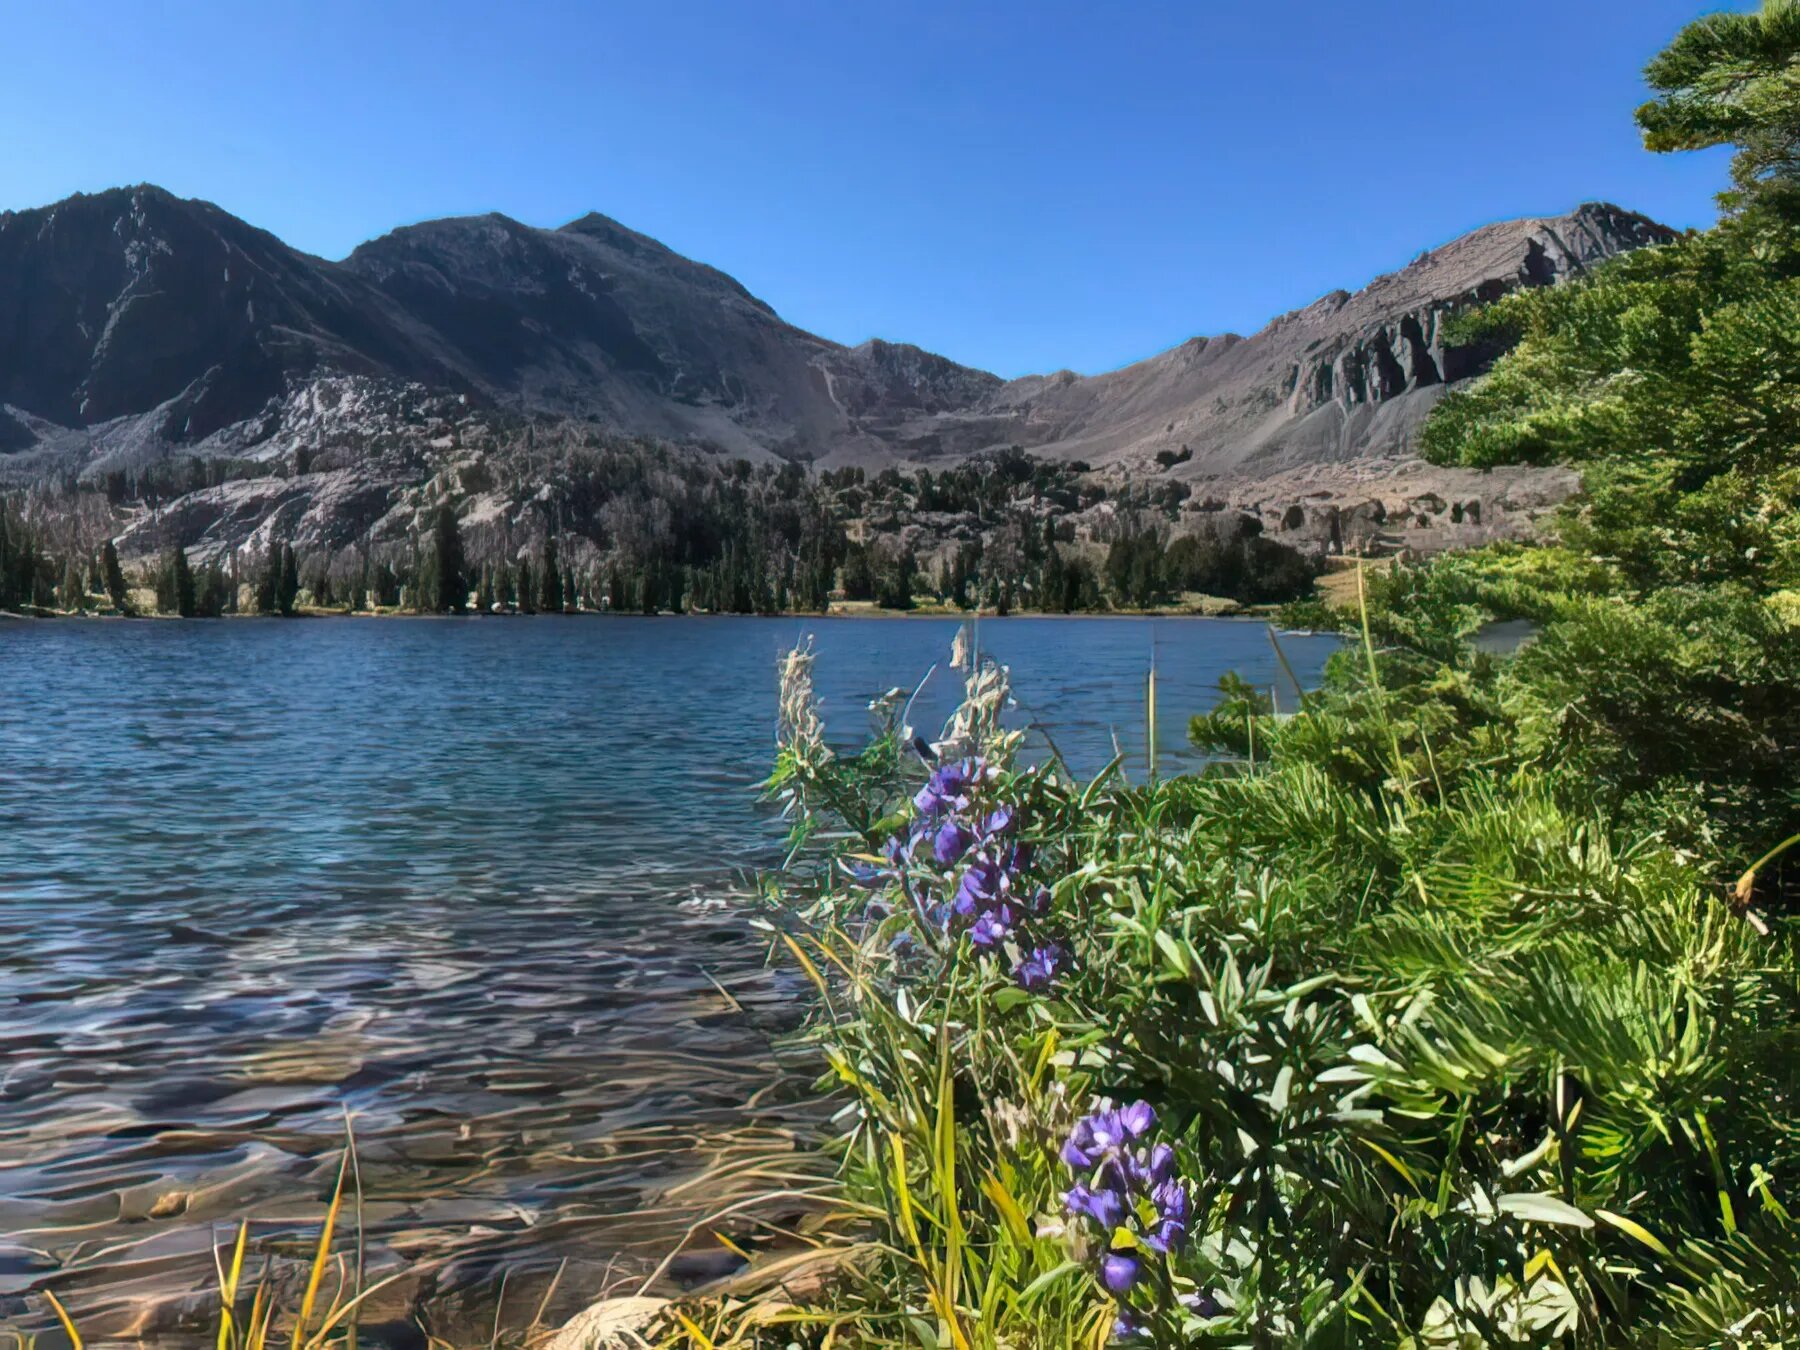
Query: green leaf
1536, 1208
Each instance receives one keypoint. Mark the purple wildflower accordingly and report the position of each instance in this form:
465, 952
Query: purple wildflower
951, 842
1119, 1271
1104, 1207
1125, 1182
992, 928
1037, 971
1136, 1120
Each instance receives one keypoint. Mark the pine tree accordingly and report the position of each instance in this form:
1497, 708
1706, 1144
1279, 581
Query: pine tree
287, 589
268, 582
212, 592
175, 584
72, 593
859, 574
114, 578
449, 589
550, 579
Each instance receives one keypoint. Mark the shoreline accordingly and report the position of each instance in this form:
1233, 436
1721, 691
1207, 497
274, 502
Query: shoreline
1259, 613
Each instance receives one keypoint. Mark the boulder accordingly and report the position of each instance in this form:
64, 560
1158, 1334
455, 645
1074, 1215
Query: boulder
610, 1324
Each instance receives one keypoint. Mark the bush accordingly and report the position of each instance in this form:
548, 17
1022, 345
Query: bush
1461, 1062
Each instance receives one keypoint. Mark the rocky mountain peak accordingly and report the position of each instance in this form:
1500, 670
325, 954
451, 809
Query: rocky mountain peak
133, 321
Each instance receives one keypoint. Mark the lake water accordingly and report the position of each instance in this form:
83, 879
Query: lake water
468, 880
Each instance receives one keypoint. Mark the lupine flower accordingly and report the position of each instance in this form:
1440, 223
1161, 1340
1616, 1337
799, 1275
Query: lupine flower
1136, 1119
1104, 1207
1172, 1208
1119, 1271
992, 927
1038, 969
958, 824
1125, 1326
952, 841
948, 787
1124, 1183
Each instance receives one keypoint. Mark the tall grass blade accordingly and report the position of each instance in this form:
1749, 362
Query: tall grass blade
322, 1258
62, 1315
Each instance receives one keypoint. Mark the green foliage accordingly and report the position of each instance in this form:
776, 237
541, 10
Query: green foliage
113, 578
549, 576
1454, 1055
446, 588
1236, 563
175, 585
287, 585
1729, 79
27, 574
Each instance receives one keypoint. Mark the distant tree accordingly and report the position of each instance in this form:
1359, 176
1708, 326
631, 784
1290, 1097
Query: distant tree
175, 584
359, 586
549, 575
894, 580
268, 582
73, 590
1134, 568
113, 577
859, 574
212, 591
20, 562
287, 590
449, 590
318, 581
385, 587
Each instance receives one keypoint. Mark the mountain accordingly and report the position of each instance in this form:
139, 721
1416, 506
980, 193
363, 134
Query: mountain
1350, 375
155, 322
137, 327
134, 302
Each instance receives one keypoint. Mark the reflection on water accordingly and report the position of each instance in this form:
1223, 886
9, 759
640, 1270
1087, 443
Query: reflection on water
468, 880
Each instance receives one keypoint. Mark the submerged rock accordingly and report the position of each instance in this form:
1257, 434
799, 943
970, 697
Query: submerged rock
611, 1324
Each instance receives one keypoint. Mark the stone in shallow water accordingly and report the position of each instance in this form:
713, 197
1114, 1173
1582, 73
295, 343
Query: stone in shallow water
610, 1324
16, 1260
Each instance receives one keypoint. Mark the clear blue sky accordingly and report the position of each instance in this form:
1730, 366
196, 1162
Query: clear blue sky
1018, 186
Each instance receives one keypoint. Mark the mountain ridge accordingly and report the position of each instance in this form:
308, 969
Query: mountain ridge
136, 325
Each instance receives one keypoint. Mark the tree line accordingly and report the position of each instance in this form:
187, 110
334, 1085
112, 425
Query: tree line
630, 528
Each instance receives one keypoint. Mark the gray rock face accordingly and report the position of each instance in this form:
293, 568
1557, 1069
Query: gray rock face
132, 322
1348, 377
133, 301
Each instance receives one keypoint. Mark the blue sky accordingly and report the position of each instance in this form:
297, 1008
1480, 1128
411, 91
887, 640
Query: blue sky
1018, 186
